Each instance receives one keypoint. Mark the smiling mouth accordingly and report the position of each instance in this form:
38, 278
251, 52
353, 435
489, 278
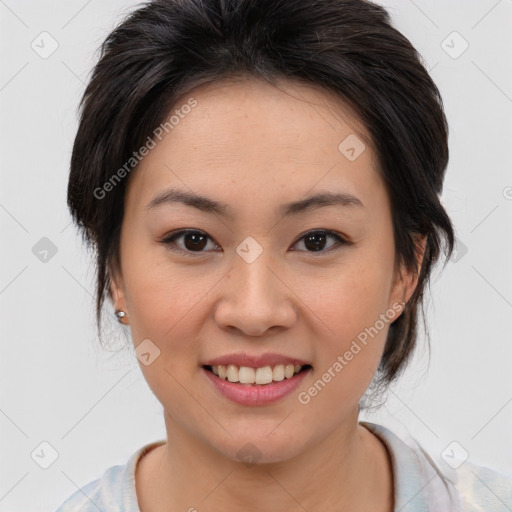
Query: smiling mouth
256, 376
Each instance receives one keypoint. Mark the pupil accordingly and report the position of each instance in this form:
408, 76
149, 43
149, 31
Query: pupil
198, 241
316, 243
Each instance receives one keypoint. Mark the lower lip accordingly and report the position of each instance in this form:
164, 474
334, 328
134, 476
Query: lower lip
246, 394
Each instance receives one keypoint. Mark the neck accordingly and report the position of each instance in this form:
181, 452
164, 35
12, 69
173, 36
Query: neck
347, 471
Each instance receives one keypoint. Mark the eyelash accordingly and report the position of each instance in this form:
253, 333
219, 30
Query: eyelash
169, 240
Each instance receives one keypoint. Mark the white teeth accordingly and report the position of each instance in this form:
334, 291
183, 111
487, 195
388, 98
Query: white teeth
232, 373
246, 375
223, 371
289, 370
261, 376
278, 373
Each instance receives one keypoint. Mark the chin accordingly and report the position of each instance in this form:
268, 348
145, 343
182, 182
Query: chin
254, 445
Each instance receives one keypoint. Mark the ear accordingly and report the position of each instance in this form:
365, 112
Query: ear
117, 291
406, 280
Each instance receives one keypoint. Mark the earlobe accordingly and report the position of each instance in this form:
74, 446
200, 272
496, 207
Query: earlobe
121, 316
117, 296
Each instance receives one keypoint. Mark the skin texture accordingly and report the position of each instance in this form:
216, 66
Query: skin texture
254, 147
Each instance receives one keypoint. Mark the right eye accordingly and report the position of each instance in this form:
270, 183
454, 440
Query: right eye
188, 241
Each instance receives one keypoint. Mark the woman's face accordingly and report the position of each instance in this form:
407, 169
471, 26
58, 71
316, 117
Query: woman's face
257, 275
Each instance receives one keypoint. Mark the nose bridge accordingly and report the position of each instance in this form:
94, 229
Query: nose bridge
257, 281
257, 289
251, 268
255, 299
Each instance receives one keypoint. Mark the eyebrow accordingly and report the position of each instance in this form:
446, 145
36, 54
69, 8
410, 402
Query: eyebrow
207, 205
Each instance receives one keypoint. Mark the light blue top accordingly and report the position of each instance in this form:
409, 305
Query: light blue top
418, 486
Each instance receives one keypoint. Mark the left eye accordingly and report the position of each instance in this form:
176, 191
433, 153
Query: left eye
196, 241
316, 240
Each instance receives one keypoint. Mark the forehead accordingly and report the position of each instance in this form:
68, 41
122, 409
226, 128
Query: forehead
248, 137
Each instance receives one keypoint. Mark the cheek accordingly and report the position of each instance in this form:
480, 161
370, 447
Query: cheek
350, 297
352, 304
164, 299
165, 305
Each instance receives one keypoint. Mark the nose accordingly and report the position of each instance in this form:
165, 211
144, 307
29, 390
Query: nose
255, 298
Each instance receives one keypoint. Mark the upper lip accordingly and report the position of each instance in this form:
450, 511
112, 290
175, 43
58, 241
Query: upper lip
255, 361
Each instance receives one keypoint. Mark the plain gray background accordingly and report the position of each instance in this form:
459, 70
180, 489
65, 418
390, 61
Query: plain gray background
92, 405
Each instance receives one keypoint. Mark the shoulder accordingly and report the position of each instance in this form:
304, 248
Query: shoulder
483, 489
422, 484
96, 494
113, 491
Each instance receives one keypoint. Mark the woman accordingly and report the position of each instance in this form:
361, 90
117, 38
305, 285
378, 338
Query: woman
260, 181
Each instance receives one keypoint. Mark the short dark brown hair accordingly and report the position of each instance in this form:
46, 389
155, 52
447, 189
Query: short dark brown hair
166, 48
